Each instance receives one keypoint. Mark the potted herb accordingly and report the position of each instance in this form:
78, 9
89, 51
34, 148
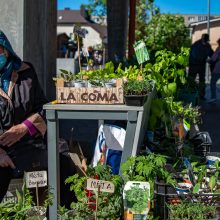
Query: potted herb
136, 92
67, 76
188, 210
24, 206
109, 204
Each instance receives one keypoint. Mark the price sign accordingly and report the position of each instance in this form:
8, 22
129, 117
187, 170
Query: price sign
100, 185
80, 31
36, 179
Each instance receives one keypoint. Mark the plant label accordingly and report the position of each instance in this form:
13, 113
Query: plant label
101, 185
36, 179
80, 31
141, 52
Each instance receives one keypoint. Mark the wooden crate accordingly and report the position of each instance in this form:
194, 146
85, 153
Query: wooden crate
97, 95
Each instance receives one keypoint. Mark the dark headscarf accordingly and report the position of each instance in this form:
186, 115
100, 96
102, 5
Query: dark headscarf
13, 63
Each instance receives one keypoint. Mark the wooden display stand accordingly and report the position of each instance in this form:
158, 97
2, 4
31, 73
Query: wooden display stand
85, 95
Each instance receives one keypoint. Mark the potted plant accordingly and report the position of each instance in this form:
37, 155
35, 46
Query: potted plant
109, 204
67, 76
24, 207
189, 210
136, 92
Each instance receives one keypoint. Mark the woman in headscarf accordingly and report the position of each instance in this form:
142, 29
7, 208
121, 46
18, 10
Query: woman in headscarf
22, 122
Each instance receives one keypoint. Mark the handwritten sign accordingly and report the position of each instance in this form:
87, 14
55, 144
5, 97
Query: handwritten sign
36, 178
80, 31
101, 185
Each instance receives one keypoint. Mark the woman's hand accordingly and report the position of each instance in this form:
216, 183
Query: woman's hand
5, 160
13, 135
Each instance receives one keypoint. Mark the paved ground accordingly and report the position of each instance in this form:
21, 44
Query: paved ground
211, 119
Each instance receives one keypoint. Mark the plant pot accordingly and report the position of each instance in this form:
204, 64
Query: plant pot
80, 84
212, 159
135, 100
110, 85
36, 213
69, 84
94, 84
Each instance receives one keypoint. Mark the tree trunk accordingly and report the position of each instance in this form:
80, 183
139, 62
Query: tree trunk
117, 20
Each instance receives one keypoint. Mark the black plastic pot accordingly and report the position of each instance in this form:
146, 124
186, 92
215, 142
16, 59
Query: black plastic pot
135, 100
164, 194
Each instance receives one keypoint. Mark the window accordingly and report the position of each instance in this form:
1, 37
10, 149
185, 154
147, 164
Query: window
202, 18
191, 19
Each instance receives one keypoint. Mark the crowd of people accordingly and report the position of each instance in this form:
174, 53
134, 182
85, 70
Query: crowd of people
201, 52
94, 56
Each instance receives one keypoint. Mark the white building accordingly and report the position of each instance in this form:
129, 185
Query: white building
67, 18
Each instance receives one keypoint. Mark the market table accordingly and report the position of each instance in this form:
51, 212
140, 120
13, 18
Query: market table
136, 118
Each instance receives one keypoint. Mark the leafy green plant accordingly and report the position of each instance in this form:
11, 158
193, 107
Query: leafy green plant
109, 204
168, 71
206, 180
137, 198
137, 87
166, 31
147, 168
17, 210
67, 76
191, 211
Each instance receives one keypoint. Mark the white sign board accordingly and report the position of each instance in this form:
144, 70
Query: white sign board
36, 178
101, 185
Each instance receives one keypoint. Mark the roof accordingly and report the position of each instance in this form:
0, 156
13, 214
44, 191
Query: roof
102, 30
70, 17
204, 22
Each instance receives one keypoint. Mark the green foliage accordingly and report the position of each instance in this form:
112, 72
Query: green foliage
207, 180
168, 71
110, 204
96, 7
67, 76
137, 87
191, 211
101, 74
145, 9
137, 198
147, 168
16, 210
166, 31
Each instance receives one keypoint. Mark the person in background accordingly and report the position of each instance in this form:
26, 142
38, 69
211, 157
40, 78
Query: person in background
215, 60
199, 52
22, 121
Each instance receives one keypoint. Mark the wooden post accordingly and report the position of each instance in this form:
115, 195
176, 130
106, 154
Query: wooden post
80, 68
131, 36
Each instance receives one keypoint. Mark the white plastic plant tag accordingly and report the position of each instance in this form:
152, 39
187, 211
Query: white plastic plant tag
100, 185
136, 196
36, 179
141, 52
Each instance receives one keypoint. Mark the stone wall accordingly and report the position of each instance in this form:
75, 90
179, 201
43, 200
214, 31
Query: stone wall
31, 27
11, 23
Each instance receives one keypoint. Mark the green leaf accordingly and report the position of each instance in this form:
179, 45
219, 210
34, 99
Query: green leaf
172, 87
196, 188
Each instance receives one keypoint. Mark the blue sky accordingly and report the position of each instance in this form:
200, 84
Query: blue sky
171, 6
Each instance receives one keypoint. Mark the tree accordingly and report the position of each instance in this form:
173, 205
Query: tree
97, 7
145, 10
166, 31
117, 20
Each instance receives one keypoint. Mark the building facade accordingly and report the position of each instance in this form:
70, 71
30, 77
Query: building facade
199, 28
97, 34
